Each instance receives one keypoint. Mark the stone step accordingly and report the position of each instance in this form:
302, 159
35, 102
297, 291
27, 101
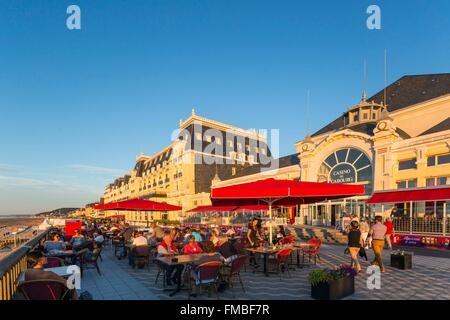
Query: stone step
324, 234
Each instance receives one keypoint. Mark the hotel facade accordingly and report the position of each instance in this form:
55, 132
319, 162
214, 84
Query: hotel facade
398, 138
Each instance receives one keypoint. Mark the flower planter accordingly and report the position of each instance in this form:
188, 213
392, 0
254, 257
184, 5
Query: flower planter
401, 261
334, 289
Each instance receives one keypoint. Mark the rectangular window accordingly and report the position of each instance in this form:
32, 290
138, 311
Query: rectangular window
365, 116
407, 184
401, 184
443, 159
407, 164
431, 182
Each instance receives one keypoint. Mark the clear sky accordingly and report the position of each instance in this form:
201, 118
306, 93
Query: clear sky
77, 106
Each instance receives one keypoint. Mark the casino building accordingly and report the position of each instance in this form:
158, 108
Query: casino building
403, 142
399, 142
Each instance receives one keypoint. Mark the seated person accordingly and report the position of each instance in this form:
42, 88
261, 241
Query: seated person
187, 235
228, 252
210, 257
55, 244
36, 273
138, 241
204, 234
98, 237
77, 239
157, 233
230, 232
197, 236
192, 247
214, 238
173, 272
207, 246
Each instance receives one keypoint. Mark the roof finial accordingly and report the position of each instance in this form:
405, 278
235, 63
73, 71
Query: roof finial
385, 77
193, 111
364, 97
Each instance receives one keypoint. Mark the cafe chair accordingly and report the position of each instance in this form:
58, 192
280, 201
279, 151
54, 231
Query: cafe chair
44, 290
207, 276
281, 261
312, 251
119, 246
90, 261
234, 271
142, 256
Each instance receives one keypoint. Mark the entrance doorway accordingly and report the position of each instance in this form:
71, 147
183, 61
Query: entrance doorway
335, 213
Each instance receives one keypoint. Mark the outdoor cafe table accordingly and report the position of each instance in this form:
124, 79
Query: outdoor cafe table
60, 271
184, 259
265, 252
299, 246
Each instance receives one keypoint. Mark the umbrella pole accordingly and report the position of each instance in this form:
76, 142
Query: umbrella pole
270, 229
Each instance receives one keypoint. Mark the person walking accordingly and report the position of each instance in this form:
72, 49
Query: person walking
378, 233
364, 228
389, 232
355, 242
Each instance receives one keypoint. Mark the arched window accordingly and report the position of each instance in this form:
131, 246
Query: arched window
348, 165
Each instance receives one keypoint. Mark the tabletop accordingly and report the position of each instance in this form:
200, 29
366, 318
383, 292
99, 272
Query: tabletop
60, 271
61, 253
182, 259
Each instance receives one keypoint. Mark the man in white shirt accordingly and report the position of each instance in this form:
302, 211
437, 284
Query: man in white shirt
99, 238
140, 240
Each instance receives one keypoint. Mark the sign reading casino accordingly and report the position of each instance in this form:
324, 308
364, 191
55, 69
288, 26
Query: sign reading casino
343, 173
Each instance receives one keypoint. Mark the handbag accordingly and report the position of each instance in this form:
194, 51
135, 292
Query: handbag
362, 253
347, 251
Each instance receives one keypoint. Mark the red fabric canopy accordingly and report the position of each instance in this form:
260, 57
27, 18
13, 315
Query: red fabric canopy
118, 216
261, 207
213, 208
429, 194
138, 205
282, 192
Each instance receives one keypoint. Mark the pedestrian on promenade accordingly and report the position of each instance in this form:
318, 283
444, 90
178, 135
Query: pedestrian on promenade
355, 241
389, 232
364, 228
377, 233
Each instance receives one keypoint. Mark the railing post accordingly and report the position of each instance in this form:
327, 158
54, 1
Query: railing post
410, 217
444, 222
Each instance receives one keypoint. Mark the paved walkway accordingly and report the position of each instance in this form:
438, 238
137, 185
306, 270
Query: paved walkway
428, 279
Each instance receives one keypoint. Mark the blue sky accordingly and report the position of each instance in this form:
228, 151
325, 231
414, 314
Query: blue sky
77, 107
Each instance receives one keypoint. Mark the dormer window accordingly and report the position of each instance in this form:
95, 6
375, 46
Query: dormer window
356, 116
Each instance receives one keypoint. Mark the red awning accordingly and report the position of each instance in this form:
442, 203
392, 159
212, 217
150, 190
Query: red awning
261, 207
118, 216
213, 209
138, 205
282, 192
428, 194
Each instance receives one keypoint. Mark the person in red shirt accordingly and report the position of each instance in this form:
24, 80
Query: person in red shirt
389, 232
192, 246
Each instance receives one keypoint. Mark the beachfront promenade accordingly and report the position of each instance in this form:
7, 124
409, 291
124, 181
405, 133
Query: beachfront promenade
428, 279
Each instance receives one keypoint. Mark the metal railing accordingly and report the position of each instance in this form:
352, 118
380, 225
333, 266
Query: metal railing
16, 262
421, 225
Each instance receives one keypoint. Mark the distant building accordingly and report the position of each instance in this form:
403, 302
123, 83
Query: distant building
183, 172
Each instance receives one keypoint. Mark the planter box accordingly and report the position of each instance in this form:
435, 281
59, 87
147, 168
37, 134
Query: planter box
334, 290
401, 261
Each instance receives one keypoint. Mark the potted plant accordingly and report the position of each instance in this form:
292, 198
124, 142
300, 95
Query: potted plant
332, 284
